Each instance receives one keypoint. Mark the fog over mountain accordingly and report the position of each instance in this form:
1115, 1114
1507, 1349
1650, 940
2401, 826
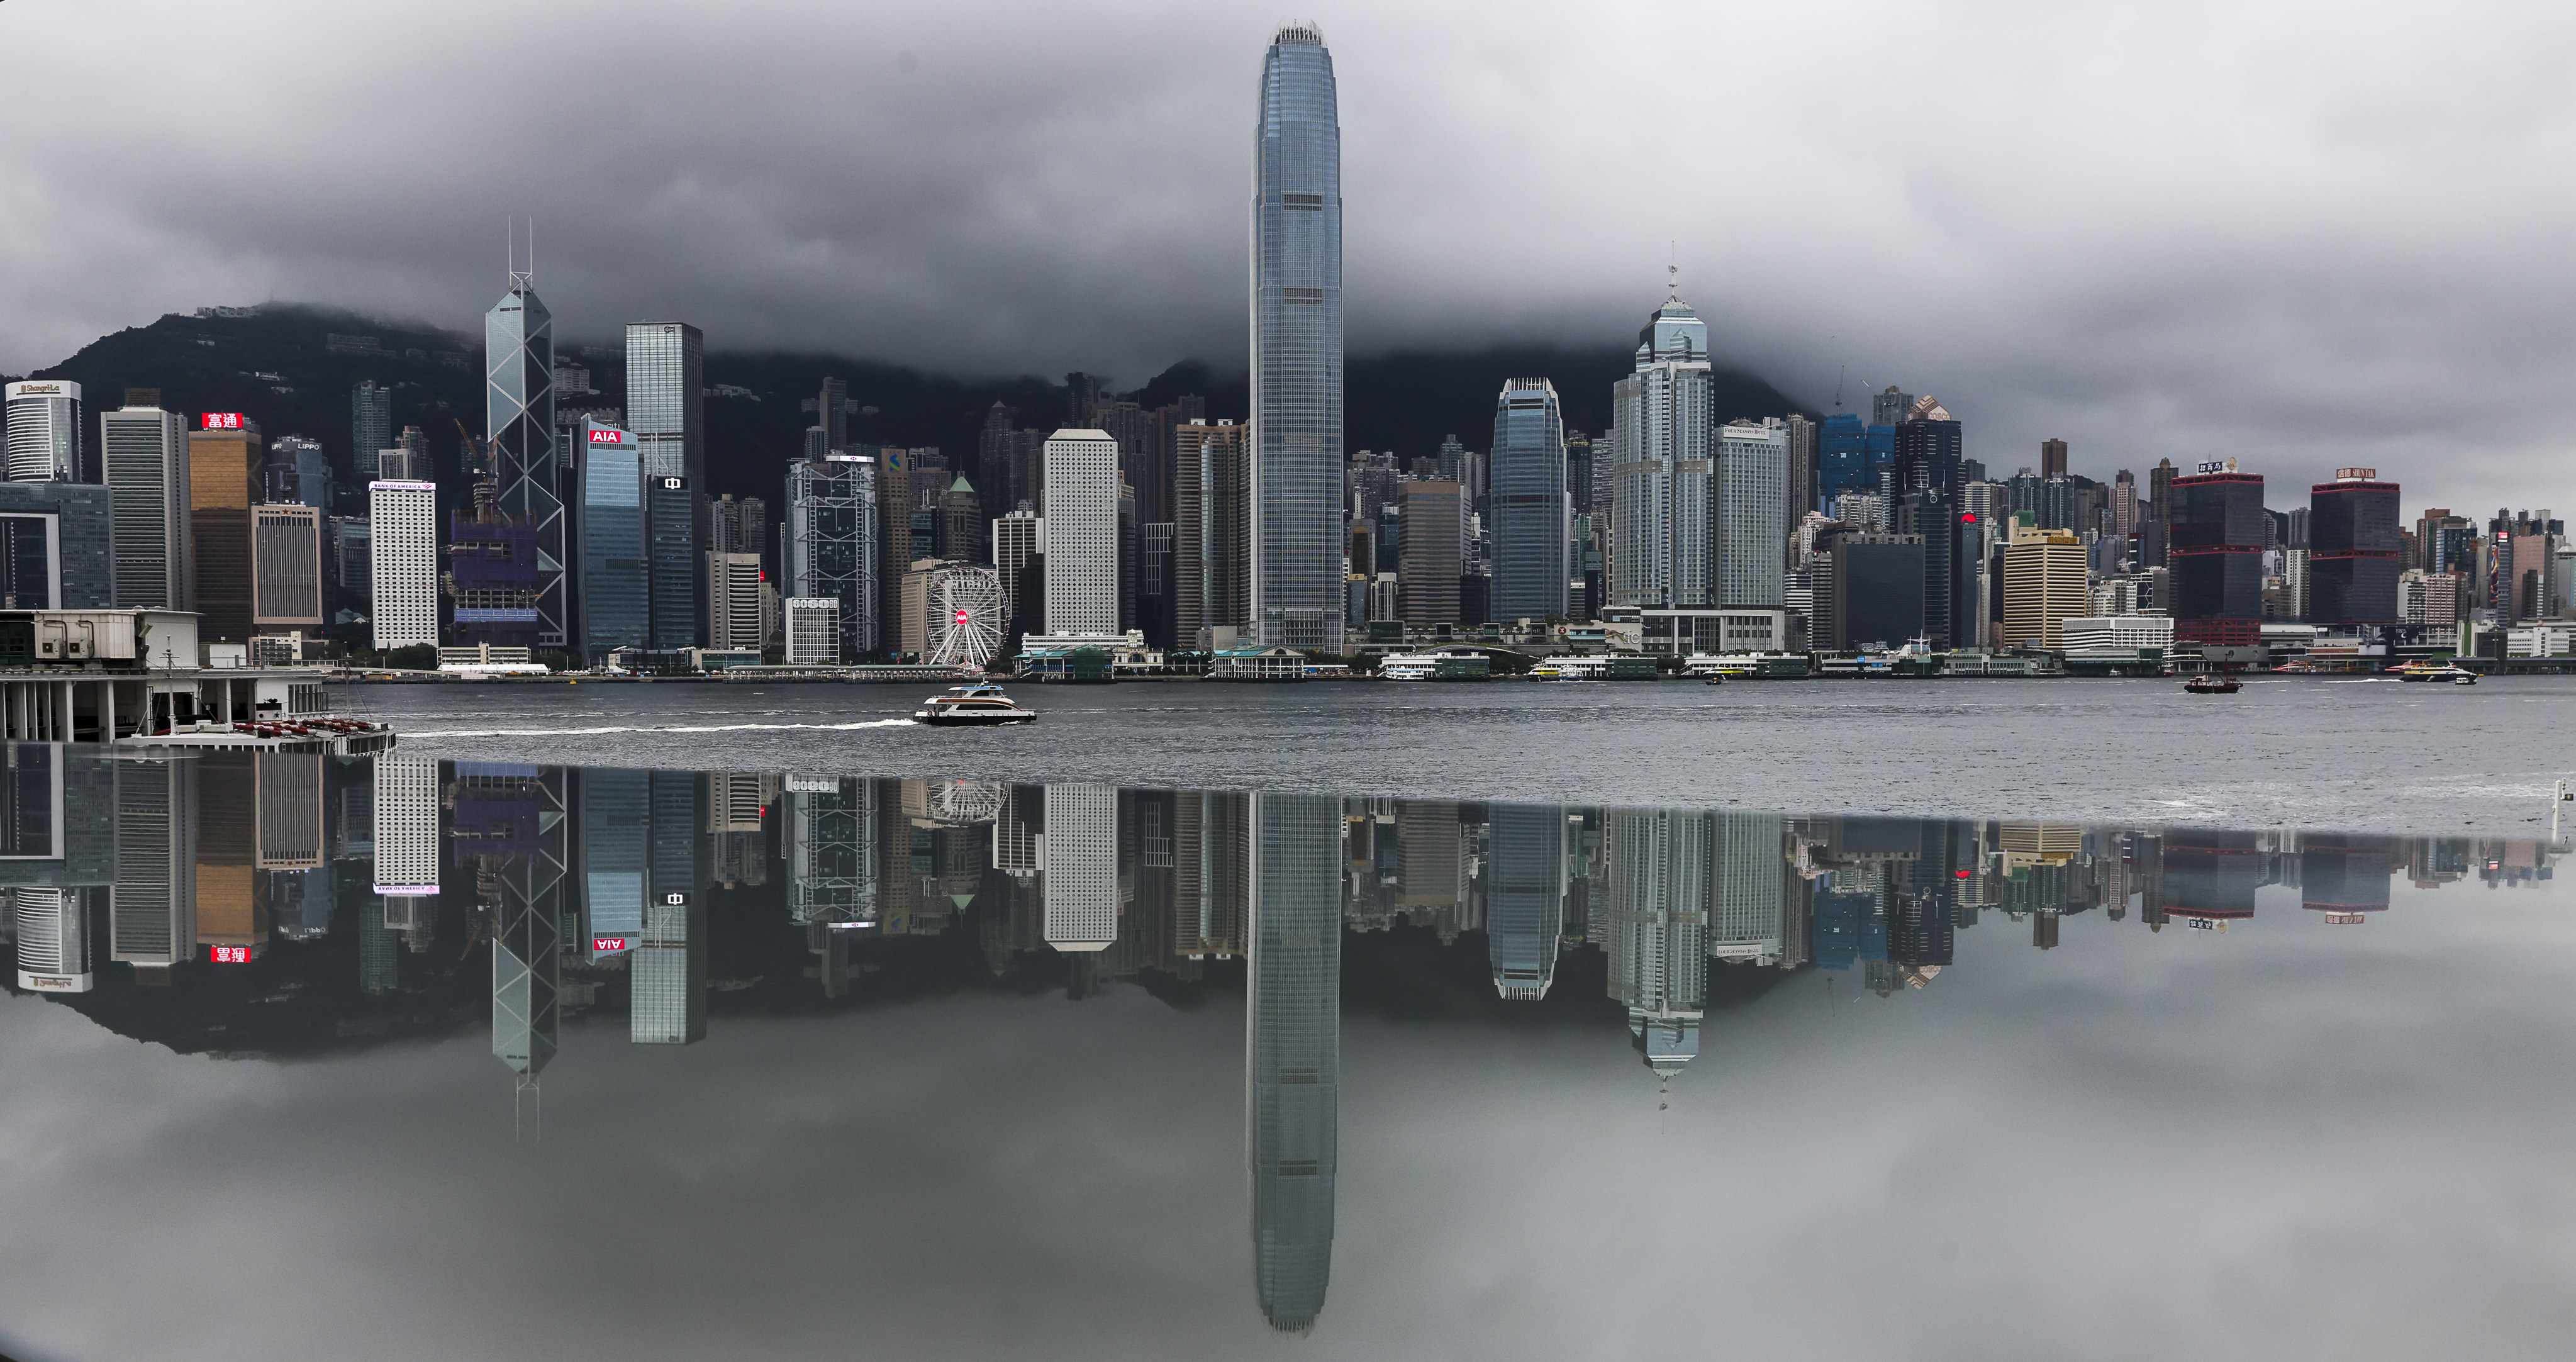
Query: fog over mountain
2302, 234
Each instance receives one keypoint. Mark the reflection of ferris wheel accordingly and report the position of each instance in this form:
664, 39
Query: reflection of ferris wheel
965, 615
967, 801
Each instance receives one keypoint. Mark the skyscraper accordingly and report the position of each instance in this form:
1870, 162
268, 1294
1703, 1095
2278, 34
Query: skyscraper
2352, 549
2216, 555
1296, 467
286, 569
1081, 532
44, 431
829, 547
2045, 584
519, 418
1211, 537
665, 407
1661, 555
1292, 1054
1434, 553
1842, 459
1530, 507
371, 424
608, 524
737, 613
2052, 461
1525, 903
1752, 476
144, 457
224, 463
402, 562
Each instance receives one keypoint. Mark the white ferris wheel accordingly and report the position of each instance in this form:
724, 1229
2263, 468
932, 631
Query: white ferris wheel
965, 616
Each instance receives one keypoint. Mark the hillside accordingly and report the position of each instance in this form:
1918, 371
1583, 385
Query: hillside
275, 368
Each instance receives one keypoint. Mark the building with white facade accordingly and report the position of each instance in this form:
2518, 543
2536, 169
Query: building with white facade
1081, 533
144, 455
1660, 550
813, 628
1752, 509
737, 611
402, 562
2116, 633
1078, 854
43, 431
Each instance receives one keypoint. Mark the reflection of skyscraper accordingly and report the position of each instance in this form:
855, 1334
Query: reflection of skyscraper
612, 859
290, 810
53, 939
832, 878
1748, 889
232, 918
152, 910
1658, 930
1211, 872
670, 970
1524, 909
2345, 876
527, 939
1080, 853
1293, 1052
2210, 875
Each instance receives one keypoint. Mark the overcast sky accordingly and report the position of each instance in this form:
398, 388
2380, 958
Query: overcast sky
2301, 234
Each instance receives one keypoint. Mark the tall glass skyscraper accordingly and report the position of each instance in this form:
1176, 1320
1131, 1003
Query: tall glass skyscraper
1297, 348
1660, 549
519, 414
665, 407
1529, 502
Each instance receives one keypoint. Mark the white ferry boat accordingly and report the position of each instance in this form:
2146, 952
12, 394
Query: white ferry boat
972, 707
1441, 666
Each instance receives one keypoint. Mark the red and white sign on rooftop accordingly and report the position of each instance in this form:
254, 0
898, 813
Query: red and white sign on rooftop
223, 420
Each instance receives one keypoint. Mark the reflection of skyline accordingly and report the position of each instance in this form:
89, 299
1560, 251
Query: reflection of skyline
1292, 1051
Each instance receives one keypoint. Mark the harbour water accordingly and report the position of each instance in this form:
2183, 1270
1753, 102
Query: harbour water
468, 1054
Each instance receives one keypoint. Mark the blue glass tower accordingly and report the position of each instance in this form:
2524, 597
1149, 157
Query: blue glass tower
1843, 457
519, 414
1530, 511
1296, 537
614, 612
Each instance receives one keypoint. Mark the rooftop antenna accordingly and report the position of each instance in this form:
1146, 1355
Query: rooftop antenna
1838, 385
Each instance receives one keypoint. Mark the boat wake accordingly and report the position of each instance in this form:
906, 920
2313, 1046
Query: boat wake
416, 736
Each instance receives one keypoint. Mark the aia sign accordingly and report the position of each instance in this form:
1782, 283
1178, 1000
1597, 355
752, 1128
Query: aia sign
231, 955
223, 420
602, 945
608, 437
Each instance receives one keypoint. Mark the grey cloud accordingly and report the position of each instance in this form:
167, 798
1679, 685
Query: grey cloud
2302, 234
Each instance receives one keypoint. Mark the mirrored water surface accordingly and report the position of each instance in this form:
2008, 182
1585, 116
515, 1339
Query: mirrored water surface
423, 1058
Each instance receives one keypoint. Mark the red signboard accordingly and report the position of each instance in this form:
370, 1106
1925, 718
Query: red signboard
231, 955
603, 944
223, 420
961, 617
608, 437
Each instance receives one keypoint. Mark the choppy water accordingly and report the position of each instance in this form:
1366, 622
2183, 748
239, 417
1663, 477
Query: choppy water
719, 1063
2362, 753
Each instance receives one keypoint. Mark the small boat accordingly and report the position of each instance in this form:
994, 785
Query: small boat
2464, 677
2213, 683
974, 706
2435, 671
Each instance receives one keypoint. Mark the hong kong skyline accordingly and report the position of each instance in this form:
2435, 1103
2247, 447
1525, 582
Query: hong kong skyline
2155, 233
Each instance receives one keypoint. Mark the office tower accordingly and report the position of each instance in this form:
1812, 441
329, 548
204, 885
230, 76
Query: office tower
1660, 520
2215, 550
1212, 532
1530, 505
2159, 516
1292, 1054
2052, 462
1296, 465
1753, 458
665, 407
44, 432
832, 408
1842, 459
1659, 862
738, 526
1081, 533
1889, 408
812, 630
736, 614
286, 569
1079, 855
371, 421
1798, 494
402, 563
2430, 599
527, 936
1018, 539
1434, 552
1877, 590
614, 610
152, 908
670, 558
2352, 534
224, 463
298, 472
893, 473
958, 529
406, 459
2128, 515
830, 552
1525, 899
1928, 449
1748, 890
144, 460
669, 967
1154, 585
615, 814
519, 416
2045, 584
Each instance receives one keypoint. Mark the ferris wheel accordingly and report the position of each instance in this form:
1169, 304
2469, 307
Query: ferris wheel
967, 801
965, 615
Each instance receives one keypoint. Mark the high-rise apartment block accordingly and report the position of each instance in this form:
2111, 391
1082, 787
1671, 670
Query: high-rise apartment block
1530, 503
1296, 464
144, 455
402, 523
